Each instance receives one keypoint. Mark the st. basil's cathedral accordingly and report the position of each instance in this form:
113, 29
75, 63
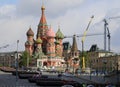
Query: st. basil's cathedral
48, 50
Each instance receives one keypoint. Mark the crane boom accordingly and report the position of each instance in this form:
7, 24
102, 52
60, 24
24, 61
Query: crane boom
114, 17
83, 39
81, 35
85, 32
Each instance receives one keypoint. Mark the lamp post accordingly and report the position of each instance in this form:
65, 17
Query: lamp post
4, 61
74, 62
66, 62
17, 64
12, 62
104, 62
28, 57
27, 60
117, 73
90, 69
73, 65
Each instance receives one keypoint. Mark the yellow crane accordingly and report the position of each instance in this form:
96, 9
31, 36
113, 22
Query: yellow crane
83, 39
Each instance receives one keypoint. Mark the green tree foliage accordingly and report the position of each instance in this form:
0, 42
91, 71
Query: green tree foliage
23, 59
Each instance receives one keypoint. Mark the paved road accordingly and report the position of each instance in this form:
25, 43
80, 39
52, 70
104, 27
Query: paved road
102, 79
73, 78
8, 80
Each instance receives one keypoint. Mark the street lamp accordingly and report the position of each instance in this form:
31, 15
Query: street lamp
74, 62
4, 61
104, 62
17, 64
28, 57
66, 62
117, 72
90, 69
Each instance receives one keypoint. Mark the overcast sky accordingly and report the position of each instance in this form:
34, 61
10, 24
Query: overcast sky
16, 16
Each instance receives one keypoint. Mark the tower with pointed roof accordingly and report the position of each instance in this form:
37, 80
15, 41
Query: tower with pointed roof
42, 29
74, 55
74, 50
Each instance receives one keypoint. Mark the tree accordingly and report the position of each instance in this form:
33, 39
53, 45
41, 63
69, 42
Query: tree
23, 59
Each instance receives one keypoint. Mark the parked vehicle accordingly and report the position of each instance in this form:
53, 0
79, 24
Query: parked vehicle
67, 86
90, 86
67, 74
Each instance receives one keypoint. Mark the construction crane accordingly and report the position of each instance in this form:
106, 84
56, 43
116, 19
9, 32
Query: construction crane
108, 35
114, 17
83, 39
107, 32
105, 28
87, 35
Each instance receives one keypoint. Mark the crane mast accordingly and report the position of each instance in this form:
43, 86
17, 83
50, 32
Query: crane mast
83, 39
108, 35
107, 32
105, 28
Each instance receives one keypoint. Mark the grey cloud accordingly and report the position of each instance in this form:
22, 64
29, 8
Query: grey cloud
7, 11
114, 12
115, 37
58, 7
72, 15
115, 41
54, 7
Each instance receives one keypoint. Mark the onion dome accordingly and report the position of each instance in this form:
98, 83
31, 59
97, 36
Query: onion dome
30, 32
28, 43
50, 33
43, 7
38, 41
59, 34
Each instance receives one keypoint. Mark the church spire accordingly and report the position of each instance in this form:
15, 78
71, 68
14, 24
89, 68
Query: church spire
43, 18
74, 45
42, 26
42, 29
74, 49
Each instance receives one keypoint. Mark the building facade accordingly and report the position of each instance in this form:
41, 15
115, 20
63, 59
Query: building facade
102, 61
46, 50
9, 59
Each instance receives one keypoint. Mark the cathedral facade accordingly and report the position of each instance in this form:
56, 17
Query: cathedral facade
47, 49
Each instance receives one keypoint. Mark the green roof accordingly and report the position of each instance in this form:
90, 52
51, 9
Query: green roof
59, 34
38, 41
